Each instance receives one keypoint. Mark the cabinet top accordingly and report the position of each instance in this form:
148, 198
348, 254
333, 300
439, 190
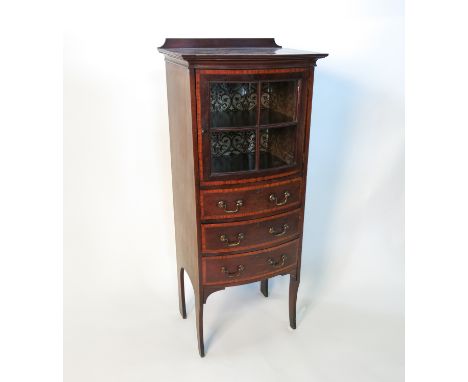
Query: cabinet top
194, 50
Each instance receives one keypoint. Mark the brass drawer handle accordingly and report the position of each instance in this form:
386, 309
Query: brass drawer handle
225, 239
277, 264
274, 199
278, 233
240, 269
223, 205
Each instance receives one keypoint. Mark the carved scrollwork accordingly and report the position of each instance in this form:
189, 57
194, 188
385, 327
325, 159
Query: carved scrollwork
232, 142
234, 104
231, 97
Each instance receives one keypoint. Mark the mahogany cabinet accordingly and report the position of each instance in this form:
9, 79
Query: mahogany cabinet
239, 117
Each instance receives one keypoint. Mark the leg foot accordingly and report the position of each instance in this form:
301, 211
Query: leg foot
182, 309
293, 286
264, 287
199, 311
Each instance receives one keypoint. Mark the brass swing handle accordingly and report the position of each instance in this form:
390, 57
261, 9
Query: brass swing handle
240, 269
274, 199
272, 231
277, 264
225, 239
223, 205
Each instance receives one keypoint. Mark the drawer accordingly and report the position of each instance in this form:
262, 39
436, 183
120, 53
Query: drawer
250, 201
249, 234
250, 266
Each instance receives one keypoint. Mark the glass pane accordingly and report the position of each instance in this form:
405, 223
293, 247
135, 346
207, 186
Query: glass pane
232, 151
278, 102
277, 147
233, 104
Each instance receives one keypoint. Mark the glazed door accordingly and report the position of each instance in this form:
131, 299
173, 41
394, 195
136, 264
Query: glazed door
252, 123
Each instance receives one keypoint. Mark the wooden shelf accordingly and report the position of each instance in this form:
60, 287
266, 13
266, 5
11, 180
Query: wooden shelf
244, 120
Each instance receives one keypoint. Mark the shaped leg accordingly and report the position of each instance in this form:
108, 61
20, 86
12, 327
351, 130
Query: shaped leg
199, 311
293, 286
180, 277
264, 287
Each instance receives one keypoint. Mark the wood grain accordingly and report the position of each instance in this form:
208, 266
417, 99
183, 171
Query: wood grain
183, 173
255, 200
256, 265
200, 43
256, 233
199, 222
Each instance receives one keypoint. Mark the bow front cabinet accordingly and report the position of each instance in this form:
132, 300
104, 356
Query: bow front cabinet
239, 117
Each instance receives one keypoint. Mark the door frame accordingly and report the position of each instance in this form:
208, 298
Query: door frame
203, 79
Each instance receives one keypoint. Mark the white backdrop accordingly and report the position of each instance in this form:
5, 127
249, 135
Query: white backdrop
121, 319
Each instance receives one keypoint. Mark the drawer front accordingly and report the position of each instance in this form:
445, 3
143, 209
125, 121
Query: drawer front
250, 266
250, 234
250, 201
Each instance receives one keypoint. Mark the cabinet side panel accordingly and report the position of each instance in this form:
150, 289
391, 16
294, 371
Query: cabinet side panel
308, 118
182, 164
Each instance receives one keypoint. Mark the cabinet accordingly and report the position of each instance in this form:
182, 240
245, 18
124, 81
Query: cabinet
239, 116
